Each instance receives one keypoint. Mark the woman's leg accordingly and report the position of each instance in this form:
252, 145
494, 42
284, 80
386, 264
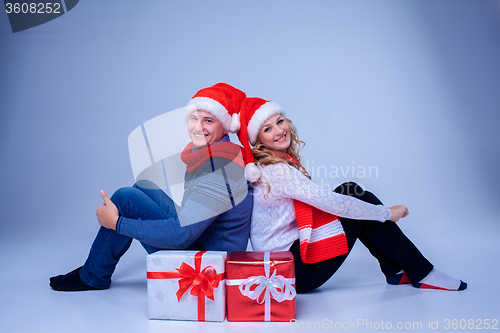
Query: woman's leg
386, 242
390, 246
388, 266
108, 247
311, 276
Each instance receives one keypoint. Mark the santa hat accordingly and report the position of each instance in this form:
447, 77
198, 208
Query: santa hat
223, 101
254, 112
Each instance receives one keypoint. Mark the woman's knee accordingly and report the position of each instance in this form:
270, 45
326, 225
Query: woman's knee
354, 190
350, 188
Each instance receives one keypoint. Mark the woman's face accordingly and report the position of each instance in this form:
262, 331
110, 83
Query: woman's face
275, 133
204, 128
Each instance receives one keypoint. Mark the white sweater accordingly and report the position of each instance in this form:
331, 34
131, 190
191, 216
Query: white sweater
274, 226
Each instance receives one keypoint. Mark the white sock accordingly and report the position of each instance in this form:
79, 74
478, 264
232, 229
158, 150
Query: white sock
440, 280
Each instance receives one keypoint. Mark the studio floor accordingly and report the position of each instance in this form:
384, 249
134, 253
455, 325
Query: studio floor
355, 299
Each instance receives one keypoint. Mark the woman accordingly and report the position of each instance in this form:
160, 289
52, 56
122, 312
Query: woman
218, 221
291, 212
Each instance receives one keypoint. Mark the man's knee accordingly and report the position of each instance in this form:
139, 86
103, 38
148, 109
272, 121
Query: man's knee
146, 184
122, 194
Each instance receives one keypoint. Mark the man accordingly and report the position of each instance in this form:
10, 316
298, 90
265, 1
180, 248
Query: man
216, 206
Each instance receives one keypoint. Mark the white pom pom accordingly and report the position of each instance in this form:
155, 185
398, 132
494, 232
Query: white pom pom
252, 173
235, 123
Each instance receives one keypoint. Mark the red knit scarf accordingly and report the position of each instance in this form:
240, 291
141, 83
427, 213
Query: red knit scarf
321, 234
227, 150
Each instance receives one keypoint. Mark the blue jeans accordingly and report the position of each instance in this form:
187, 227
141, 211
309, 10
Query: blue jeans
133, 202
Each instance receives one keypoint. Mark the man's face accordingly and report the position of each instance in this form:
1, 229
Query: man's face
204, 128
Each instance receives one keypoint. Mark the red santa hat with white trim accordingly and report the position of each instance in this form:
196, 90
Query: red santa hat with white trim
254, 112
223, 101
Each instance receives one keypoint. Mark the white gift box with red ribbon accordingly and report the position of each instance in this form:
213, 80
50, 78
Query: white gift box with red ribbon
187, 285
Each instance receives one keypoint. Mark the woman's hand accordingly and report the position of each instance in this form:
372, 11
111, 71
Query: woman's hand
398, 212
107, 213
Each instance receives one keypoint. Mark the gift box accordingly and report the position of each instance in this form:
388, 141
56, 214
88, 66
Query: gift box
187, 285
260, 286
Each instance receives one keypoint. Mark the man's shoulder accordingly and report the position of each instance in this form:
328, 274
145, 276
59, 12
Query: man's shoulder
216, 163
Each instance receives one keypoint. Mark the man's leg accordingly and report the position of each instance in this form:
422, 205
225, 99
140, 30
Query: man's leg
109, 246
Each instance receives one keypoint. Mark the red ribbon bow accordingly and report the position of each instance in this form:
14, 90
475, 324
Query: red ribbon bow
202, 282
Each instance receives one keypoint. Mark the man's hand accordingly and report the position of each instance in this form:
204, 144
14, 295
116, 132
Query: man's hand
398, 212
107, 213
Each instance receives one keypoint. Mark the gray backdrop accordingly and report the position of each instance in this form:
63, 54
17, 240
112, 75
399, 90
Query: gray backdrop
408, 87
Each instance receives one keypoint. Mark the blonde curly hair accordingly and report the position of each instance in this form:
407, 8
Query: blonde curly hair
264, 156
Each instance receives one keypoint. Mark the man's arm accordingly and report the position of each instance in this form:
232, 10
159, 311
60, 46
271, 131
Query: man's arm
206, 197
166, 233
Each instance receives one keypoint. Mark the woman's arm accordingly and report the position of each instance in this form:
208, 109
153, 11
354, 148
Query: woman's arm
286, 181
398, 212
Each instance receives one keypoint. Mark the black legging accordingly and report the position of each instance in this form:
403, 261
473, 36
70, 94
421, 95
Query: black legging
385, 241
